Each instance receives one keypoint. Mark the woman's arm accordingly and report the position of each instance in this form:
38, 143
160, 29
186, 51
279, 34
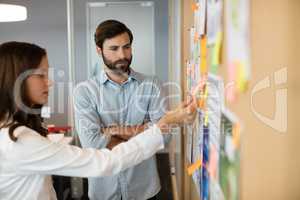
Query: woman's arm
33, 154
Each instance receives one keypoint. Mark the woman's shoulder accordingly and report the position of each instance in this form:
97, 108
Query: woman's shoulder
25, 134
27, 139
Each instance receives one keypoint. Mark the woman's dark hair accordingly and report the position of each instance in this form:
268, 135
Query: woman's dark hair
15, 59
109, 29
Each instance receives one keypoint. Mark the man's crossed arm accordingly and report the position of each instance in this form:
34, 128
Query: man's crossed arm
121, 134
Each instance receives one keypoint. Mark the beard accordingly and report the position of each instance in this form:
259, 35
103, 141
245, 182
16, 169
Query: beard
119, 67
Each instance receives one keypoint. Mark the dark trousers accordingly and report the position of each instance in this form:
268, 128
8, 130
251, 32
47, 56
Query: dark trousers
152, 198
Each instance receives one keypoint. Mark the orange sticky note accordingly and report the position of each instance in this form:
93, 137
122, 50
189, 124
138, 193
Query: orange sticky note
201, 103
194, 7
196, 37
203, 65
192, 168
203, 57
236, 135
203, 44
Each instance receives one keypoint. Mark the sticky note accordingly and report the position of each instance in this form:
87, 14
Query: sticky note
193, 71
203, 56
192, 168
236, 135
231, 85
196, 37
203, 44
205, 92
194, 6
216, 55
203, 65
241, 77
213, 162
230, 93
206, 119
201, 103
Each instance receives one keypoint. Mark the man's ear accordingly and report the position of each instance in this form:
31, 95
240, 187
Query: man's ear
99, 50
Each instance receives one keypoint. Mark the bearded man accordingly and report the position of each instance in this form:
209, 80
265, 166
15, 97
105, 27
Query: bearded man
119, 99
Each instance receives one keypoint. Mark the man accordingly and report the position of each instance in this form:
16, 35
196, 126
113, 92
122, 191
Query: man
118, 99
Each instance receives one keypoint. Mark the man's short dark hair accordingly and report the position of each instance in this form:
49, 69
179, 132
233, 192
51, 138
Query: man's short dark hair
109, 29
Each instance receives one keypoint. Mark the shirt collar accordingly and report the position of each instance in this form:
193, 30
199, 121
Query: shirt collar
103, 77
132, 76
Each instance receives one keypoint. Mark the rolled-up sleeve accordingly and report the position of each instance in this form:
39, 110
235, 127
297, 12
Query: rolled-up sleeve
87, 120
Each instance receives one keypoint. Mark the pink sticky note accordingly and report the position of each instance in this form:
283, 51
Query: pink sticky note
213, 162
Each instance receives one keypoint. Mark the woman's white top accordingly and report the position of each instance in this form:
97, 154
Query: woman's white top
25, 165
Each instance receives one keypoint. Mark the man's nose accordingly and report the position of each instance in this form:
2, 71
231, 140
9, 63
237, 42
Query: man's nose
121, 53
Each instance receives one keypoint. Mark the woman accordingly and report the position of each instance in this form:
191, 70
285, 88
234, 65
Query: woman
27, 156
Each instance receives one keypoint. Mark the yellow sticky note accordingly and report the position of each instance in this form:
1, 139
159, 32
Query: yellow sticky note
241, 77
206, 92
192, 168
216, 57
206, 119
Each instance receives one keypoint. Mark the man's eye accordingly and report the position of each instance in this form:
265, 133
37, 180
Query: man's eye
127, 46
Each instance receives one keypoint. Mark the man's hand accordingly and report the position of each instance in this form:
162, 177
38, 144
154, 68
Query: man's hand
114, 141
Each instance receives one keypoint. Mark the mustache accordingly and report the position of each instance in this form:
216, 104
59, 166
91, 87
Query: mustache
122, 61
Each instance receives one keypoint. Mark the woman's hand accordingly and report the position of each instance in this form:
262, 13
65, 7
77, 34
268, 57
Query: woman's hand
185, 113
